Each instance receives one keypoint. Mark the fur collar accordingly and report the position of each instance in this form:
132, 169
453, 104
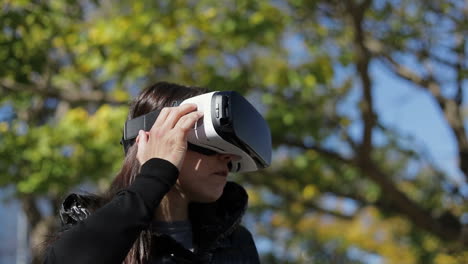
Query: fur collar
212, 222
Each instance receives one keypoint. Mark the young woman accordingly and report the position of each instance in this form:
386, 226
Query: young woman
168, 204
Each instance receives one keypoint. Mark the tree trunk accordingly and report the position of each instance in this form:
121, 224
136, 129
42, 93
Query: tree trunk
40, 228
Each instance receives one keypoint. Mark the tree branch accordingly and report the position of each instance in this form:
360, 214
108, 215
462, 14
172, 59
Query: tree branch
356, 14
418, 215
68, 96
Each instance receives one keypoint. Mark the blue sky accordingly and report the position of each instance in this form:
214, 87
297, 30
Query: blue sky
413, 112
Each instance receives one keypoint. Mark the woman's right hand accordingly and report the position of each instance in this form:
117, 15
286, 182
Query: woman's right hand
167, 139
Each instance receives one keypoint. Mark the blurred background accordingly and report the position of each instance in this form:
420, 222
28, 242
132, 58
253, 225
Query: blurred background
366, 101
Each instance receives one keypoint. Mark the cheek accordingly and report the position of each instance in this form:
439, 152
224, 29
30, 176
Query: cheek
196, 181
201, 188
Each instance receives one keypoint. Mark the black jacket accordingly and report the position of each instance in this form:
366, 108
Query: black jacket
106, 235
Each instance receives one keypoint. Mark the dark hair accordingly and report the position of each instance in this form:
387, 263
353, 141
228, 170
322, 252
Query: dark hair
155, 97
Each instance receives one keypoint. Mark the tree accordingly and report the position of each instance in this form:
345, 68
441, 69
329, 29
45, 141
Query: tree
71, 67
355, 34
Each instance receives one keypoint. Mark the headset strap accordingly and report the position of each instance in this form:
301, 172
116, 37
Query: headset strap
144, 122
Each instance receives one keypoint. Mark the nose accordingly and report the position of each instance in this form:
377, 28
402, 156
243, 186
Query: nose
225, 157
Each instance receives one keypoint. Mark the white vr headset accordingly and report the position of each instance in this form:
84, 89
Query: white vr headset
230, 125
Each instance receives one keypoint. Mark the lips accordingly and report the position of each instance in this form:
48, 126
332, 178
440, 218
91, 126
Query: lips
222, 173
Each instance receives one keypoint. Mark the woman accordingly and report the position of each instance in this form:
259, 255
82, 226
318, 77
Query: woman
168, 204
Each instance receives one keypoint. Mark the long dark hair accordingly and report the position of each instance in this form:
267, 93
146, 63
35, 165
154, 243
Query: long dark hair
155, 97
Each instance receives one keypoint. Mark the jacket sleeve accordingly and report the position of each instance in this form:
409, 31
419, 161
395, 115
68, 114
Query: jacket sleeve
107, 235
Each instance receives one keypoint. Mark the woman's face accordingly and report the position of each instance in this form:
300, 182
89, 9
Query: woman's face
202, 178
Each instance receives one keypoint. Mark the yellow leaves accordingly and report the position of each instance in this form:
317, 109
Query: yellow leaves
159, 32
310, 80
123, 24
270, 78
120, 95
345, 122
301, 162
146, 40
254, 197
58, 42
256, 18
77, 115
105, 32
101, 123
4, 127
71, 38
445, 259
430, 244
321, 30
102, 35
278, 220
89, 63
461, 257
98, 125
209, 13
297, 208
366, 231
183, 14
94, 35
306, 224
168, 48
309, 192
137, 6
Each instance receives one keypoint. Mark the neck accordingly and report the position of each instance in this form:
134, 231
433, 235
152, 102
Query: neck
173, 207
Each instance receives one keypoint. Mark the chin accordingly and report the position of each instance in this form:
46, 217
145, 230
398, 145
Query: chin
209, 198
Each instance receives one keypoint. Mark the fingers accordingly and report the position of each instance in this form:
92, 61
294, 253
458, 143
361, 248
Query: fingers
188, 121
185, 124
141, 138
142, 141
175, 113
161, 117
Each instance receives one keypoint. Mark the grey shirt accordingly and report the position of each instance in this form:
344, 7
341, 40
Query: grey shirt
180, 231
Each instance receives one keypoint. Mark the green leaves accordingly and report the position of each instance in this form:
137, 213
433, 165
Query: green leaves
55, 157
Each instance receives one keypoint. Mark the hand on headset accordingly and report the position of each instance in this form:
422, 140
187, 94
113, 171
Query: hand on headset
167, 139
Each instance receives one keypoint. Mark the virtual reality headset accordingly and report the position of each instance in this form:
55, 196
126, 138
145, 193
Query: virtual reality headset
230, 125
